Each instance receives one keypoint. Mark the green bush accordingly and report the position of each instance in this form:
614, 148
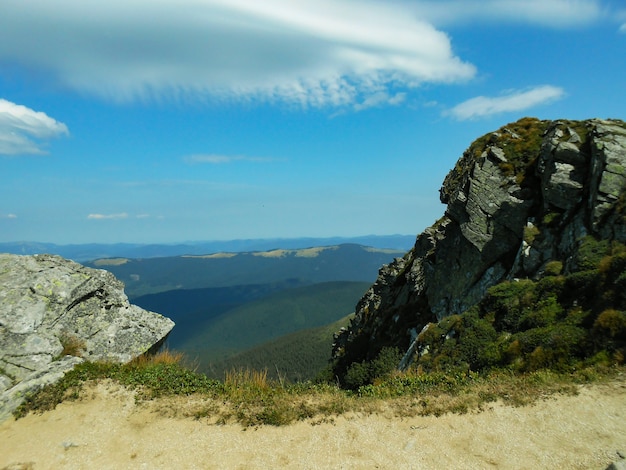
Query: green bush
366, 372
611, 322
554, 268
591, 252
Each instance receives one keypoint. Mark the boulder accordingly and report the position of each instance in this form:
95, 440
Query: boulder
55, 313
517, 199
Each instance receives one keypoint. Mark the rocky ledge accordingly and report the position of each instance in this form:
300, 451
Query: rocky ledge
55, 313
519, 198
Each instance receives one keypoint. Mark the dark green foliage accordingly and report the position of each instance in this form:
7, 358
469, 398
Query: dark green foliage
296, 357
267, 319
366, 372
555, 322
509, 301
591, 252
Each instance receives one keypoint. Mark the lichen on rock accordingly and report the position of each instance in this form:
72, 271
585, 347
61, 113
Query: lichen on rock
55, 313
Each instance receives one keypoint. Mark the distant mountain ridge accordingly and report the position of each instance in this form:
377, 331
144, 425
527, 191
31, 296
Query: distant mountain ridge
92, 251
227, 302
346, 262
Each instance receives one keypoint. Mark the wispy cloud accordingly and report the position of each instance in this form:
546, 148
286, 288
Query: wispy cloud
24, 131
382, 98
309, 53
217, 159
122, 215
547, 13
516, 100
8, 216
622, 28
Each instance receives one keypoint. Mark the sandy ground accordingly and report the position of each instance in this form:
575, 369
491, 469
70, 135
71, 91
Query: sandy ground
106, 430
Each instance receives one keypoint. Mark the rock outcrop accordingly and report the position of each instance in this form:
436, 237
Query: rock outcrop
55, 313
518, 198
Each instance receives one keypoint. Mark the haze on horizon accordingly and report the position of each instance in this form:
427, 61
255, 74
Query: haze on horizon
154, 122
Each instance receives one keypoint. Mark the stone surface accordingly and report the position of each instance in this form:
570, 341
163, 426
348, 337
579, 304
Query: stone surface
517, 199
48, 303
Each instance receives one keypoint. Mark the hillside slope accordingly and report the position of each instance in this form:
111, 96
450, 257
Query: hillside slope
347, 262
268, 318
534, 200
295, 357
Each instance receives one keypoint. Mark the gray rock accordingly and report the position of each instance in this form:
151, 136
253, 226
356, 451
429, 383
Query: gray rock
499, 224
617, 465
47, 304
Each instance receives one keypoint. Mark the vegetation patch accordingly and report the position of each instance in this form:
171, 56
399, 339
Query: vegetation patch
250, 398
521, 144
72, 345
562, 322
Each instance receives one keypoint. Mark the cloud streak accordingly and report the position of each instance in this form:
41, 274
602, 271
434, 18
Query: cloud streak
24, 131
308, 53
516, 100
122, 215
546, 13
216, 159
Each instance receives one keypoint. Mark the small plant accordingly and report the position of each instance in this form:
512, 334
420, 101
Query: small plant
553, 268
530, 233
72, 345
612, 322
246, 378
164, 356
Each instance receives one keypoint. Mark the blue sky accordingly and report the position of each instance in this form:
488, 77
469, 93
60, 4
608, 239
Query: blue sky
167, 121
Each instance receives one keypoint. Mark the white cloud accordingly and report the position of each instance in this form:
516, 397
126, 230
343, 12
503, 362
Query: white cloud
622, 28
219, 159
548, 13
8, 216
382, 98
306, 52
516, 100
122, 215
23, 131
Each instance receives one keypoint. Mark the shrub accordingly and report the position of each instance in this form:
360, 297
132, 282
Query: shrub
507, 301
530, 233
367, 372
590, 253
357, 375
611, 322
554, 268
545, 313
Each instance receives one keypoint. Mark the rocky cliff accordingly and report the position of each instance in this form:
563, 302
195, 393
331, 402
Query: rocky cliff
55, 313
518, 199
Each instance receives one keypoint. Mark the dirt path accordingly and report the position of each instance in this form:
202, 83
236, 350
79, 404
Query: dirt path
107, 430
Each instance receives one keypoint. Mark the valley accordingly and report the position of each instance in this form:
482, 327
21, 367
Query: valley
274, 310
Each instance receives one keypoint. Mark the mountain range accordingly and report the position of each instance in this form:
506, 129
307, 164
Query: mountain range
91, 251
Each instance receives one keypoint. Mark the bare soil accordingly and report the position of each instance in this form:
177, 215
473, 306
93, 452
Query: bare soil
106, 429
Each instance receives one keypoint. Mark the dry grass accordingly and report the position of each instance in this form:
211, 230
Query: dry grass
164, 357
250, 398
72, 345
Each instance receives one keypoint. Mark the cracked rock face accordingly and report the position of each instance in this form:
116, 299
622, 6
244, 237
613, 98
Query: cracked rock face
517, 199
48, 304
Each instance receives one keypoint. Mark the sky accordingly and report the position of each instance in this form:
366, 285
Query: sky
162, 121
